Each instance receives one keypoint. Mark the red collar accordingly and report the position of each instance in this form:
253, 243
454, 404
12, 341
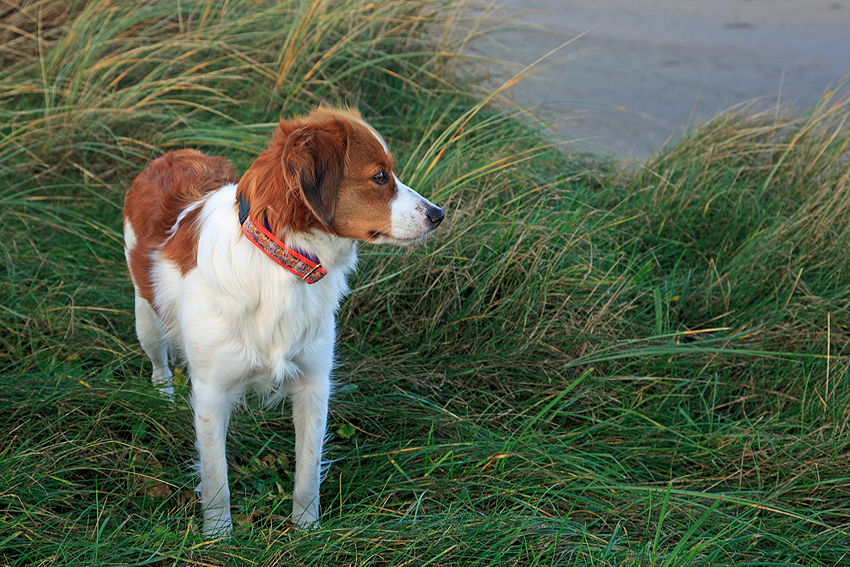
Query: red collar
308, 269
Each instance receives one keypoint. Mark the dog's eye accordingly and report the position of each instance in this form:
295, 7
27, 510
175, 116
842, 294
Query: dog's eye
381, 178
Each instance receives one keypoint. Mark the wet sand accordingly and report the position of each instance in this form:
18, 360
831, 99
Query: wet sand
640, 71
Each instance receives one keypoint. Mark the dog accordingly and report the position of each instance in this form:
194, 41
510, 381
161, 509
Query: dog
243, 278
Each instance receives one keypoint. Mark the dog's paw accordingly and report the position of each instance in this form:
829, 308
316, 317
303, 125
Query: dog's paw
217, 528
305, 517
164, 381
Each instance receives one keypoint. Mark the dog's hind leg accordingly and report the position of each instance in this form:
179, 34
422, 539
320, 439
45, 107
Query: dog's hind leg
151, 332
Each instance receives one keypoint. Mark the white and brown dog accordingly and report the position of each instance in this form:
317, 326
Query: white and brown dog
243, 277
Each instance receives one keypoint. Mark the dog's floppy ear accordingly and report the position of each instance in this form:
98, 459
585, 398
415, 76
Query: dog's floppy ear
314, 160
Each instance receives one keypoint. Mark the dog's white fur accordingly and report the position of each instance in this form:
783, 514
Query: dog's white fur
244, 323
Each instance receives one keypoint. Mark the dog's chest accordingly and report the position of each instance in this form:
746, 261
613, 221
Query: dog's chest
289, 319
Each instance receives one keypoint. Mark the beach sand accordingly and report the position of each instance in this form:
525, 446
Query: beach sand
637, 72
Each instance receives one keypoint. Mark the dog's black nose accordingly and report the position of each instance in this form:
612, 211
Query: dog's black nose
435, 215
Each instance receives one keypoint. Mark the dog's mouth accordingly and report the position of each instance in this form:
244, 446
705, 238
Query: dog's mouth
378, 237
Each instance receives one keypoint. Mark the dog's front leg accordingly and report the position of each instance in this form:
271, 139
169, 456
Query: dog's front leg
310, 395
212, 407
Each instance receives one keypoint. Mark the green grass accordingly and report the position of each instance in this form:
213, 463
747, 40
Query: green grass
588, 365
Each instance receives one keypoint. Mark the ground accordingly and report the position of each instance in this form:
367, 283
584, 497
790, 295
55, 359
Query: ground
639, 71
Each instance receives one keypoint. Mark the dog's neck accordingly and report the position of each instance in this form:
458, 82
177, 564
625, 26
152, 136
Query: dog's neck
307, 255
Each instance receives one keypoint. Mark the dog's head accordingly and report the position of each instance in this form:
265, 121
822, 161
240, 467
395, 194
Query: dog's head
331, 171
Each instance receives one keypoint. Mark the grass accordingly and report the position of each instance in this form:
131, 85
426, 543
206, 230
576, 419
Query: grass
589, 365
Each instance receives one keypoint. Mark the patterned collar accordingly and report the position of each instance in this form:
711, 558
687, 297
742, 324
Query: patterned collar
307, 268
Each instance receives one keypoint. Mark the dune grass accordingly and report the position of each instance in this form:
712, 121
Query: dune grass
588, 365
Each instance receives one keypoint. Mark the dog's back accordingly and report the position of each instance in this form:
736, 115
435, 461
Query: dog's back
163, 196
